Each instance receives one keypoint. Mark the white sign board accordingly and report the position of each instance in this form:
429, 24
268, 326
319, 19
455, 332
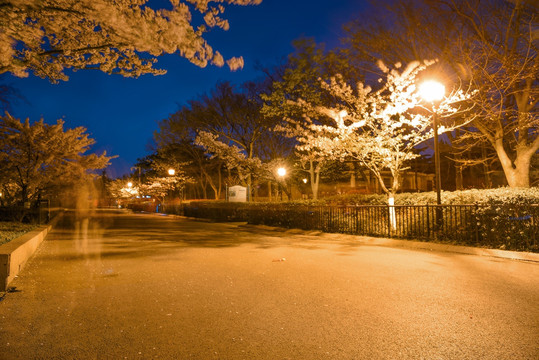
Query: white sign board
237, 193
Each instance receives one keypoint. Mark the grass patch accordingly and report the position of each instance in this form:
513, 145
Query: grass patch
11, 230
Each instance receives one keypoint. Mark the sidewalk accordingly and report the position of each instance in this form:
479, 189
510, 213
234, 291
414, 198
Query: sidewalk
411, 244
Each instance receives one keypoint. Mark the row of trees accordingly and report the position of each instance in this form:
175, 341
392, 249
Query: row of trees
50, 38
319, 107
345, 105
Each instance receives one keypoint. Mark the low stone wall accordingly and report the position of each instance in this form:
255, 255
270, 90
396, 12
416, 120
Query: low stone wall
15, 254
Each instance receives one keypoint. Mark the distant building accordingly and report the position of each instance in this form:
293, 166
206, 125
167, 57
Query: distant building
369, 184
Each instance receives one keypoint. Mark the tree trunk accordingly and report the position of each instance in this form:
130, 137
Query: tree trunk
517, 172
315, 184
287, 191
459, 180
486, 168
220, 184
392, 214
249, 187
314, 173
519, 175
24, 194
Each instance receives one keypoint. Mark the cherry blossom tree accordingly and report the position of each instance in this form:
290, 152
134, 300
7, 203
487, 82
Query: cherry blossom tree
120, 190
233, 157
378, 128
176, 136
163, 173
160, 187
311, 157
36, 156
124, 36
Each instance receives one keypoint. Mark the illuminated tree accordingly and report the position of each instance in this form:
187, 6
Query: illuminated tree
299, 83
493, 46
232, 156
36, 157
173, 138
120, 190
124, 36
378, 128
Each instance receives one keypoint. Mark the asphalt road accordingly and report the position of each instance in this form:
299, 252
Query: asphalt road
120, 286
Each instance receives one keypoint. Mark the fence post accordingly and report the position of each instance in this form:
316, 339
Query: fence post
476, 225
428, 222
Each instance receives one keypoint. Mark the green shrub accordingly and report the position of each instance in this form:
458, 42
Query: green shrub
11, 230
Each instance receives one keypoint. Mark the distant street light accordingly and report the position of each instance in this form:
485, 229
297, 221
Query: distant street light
305, 181
171, 172
433, 92
130, 184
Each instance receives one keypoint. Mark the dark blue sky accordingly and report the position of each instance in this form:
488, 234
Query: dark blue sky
121, 114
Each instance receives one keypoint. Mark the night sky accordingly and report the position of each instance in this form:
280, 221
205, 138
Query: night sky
121, 114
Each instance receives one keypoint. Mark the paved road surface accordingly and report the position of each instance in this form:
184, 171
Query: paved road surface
120, 286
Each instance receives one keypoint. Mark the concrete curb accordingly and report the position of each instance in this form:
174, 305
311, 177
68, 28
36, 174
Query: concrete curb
411, 244
458, 249
15, 254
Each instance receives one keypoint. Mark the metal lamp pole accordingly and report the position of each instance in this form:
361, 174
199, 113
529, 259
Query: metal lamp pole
433, 92
437, 171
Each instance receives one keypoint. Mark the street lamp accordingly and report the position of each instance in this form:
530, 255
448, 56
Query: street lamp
171, 172
130, 184
281, 172
432, 91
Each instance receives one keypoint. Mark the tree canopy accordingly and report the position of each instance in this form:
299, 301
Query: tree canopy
35, 157
493, 47
123, 36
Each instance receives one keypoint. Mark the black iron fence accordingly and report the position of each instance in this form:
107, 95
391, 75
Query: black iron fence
505, 227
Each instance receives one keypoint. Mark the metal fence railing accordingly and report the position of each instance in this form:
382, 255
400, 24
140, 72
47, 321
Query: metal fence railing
506, 227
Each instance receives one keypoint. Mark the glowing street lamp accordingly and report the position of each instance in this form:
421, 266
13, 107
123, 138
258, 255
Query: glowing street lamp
432, 91
130, 184
171, 172
305, 181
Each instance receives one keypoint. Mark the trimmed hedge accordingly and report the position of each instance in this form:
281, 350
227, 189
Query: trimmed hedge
500, 218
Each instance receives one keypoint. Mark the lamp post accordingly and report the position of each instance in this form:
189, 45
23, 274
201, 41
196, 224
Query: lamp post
432, 91
281, 172
172, 172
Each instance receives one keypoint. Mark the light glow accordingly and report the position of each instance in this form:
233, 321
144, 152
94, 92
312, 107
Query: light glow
432, 90
281, 171
129, 184
171, 172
